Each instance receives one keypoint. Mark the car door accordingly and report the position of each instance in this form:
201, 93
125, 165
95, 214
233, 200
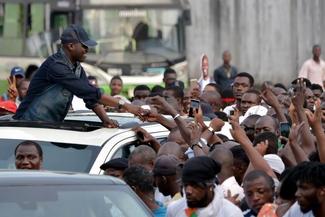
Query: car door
123, 143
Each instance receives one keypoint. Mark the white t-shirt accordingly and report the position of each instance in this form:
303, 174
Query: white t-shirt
295, 211
219, 207
232, 185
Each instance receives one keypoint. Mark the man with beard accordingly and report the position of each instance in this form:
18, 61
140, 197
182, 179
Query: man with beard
203, 198
310, 192
60, 77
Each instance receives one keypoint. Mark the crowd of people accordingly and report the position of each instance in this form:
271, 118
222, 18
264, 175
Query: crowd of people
267, 162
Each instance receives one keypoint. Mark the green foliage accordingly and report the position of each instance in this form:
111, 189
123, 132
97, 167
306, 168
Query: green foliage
3, 86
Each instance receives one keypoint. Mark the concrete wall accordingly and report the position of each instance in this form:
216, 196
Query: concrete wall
267, 38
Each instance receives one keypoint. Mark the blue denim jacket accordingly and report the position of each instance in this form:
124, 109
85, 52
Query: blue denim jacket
52, 88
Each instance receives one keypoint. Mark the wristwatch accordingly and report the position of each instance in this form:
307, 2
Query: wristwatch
211, 130
121, 103
197, 144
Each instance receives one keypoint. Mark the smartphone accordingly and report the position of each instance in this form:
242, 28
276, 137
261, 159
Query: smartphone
140, 135
194, 106
232, 112
284, 129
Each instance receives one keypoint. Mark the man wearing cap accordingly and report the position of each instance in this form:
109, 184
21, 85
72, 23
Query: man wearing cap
16, 75
167, 175
60, 77
202, 197
115, 167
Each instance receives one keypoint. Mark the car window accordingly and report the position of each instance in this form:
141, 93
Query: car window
70, 201
56, 156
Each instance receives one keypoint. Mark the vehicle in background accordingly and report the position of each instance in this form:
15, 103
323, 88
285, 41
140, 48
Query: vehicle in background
135, 38
41, 193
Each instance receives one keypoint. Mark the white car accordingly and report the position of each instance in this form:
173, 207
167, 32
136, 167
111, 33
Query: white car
52, 194
72, 146
79, 144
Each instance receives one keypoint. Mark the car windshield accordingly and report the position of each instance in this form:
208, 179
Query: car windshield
117, 28
70, 201
56, 156
152, 32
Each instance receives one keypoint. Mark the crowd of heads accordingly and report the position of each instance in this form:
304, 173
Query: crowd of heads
260, 145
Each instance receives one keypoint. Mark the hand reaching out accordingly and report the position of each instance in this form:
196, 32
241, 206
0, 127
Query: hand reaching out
238, 133
262, 146
196, 131
315, 119
298, 99
235, 116
162, 105
110, 123
295, 131
217, 124
268, 96
143, 135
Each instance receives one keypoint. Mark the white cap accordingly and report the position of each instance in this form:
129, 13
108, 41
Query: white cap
275, 162
256, 110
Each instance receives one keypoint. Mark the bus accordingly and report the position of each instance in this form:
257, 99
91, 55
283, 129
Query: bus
136, 38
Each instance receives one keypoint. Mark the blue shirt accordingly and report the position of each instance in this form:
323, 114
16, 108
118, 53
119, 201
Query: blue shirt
57, 70
161, 211
249, 213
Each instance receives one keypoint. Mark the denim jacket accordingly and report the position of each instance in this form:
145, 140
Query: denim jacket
52, 88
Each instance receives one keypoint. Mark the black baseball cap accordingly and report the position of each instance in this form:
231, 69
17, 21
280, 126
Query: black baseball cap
76, 33
117, 163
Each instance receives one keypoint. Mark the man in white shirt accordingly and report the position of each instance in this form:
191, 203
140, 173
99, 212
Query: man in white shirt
314, 68
202, 197
226, 176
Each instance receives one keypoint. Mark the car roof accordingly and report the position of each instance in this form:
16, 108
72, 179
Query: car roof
96, 137
90, 116
30, 177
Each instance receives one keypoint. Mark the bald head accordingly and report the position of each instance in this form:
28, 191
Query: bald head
172, 148
213, 98
142, 155
223, 156
266, 124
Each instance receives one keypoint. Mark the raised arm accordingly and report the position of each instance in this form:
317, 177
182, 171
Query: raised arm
297, 151
298, 101
315, 121
256, 159
270, 98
